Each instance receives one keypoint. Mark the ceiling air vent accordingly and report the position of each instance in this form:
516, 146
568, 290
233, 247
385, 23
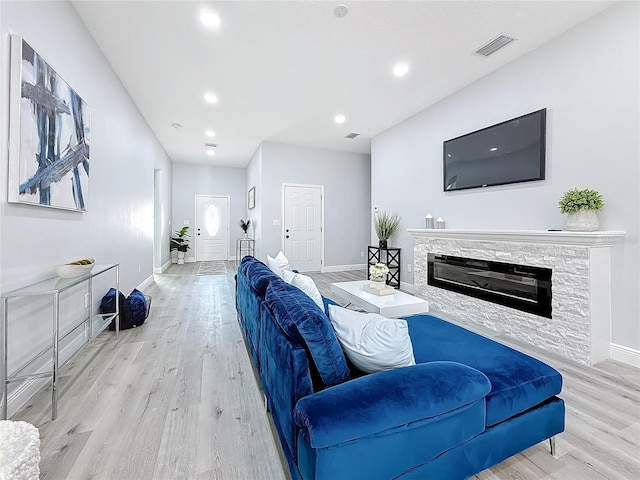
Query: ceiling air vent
214, 145
492, 46
352, 135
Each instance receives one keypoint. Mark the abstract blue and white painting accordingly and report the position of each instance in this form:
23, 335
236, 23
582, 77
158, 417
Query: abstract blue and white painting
49, 137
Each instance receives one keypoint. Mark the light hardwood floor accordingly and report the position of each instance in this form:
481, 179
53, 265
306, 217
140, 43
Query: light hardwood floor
177, 398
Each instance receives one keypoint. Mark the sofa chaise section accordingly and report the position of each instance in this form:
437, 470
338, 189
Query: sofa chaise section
518, 381
390, 421
469, 403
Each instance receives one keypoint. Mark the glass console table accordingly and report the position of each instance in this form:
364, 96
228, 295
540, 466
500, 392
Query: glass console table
246, 246
54, 287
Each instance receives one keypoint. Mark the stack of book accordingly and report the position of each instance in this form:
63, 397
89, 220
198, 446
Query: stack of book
378, 288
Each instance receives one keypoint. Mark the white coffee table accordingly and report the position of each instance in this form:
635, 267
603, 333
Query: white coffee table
399, 304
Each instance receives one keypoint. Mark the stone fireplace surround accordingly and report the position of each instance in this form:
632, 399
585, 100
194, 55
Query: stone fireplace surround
580, 327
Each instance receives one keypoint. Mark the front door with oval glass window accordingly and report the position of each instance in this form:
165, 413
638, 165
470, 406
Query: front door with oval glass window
212, 228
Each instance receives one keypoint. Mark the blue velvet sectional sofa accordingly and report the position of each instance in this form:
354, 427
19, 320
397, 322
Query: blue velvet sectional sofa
468, 404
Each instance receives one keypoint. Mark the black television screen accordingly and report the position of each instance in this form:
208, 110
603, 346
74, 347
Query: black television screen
509, 152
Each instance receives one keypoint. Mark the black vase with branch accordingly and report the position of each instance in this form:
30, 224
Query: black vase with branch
244, 225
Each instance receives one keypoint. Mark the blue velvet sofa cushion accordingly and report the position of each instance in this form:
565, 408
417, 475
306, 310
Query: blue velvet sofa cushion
381, 425
245, 262
518, 381
303, 321
381, 401
259, 276
247, 259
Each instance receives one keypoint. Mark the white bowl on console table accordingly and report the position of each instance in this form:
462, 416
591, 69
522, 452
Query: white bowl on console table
69, 271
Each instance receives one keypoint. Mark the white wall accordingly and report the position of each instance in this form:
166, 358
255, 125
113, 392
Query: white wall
118, 226
163, 173
346, 180
254, 179
163, 201
588, 80
191, 180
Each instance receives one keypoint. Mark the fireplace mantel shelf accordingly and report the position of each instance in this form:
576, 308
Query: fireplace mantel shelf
587, 239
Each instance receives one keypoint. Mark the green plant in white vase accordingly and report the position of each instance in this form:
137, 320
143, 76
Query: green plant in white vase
581, 207
180, 243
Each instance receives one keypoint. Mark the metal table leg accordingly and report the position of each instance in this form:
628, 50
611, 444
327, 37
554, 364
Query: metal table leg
3, 359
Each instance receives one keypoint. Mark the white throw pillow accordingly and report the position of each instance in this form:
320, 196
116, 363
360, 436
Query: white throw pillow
306, 284
278, 264
372, 342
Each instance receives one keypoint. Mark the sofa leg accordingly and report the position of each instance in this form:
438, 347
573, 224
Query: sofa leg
552, 445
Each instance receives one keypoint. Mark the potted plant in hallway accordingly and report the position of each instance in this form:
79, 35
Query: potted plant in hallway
244, 225
180, 243
581, 207
387, 226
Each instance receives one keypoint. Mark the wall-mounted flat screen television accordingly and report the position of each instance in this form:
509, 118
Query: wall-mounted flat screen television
509, 152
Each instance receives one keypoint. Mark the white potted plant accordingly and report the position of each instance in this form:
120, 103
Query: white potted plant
581, 207
180, 243
378, 275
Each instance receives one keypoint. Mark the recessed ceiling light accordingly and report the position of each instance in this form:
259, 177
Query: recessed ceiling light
493, 149
176, 125
340, 11
340, 118
210, 133
400, 69
211, 152
211, 97
210, 19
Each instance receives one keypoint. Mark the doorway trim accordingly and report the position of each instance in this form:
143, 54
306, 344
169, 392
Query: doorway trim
158, 243
282, 233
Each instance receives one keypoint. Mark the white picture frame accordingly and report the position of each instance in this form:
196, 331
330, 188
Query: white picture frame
251, 198
49, 130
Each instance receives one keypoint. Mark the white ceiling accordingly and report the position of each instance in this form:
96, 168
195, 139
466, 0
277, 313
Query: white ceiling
283, 69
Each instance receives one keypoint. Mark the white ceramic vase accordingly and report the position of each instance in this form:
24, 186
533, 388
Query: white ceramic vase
583, 221
180, 258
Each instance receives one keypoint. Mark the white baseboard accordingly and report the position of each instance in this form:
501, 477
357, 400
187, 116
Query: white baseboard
623, 354
344, 268
146, 282
163, 268
407, 287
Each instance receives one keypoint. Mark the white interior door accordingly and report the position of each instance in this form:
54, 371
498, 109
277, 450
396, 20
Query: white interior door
303, 226
212, 228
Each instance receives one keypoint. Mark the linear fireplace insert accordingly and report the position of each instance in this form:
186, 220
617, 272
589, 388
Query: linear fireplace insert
522, 287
